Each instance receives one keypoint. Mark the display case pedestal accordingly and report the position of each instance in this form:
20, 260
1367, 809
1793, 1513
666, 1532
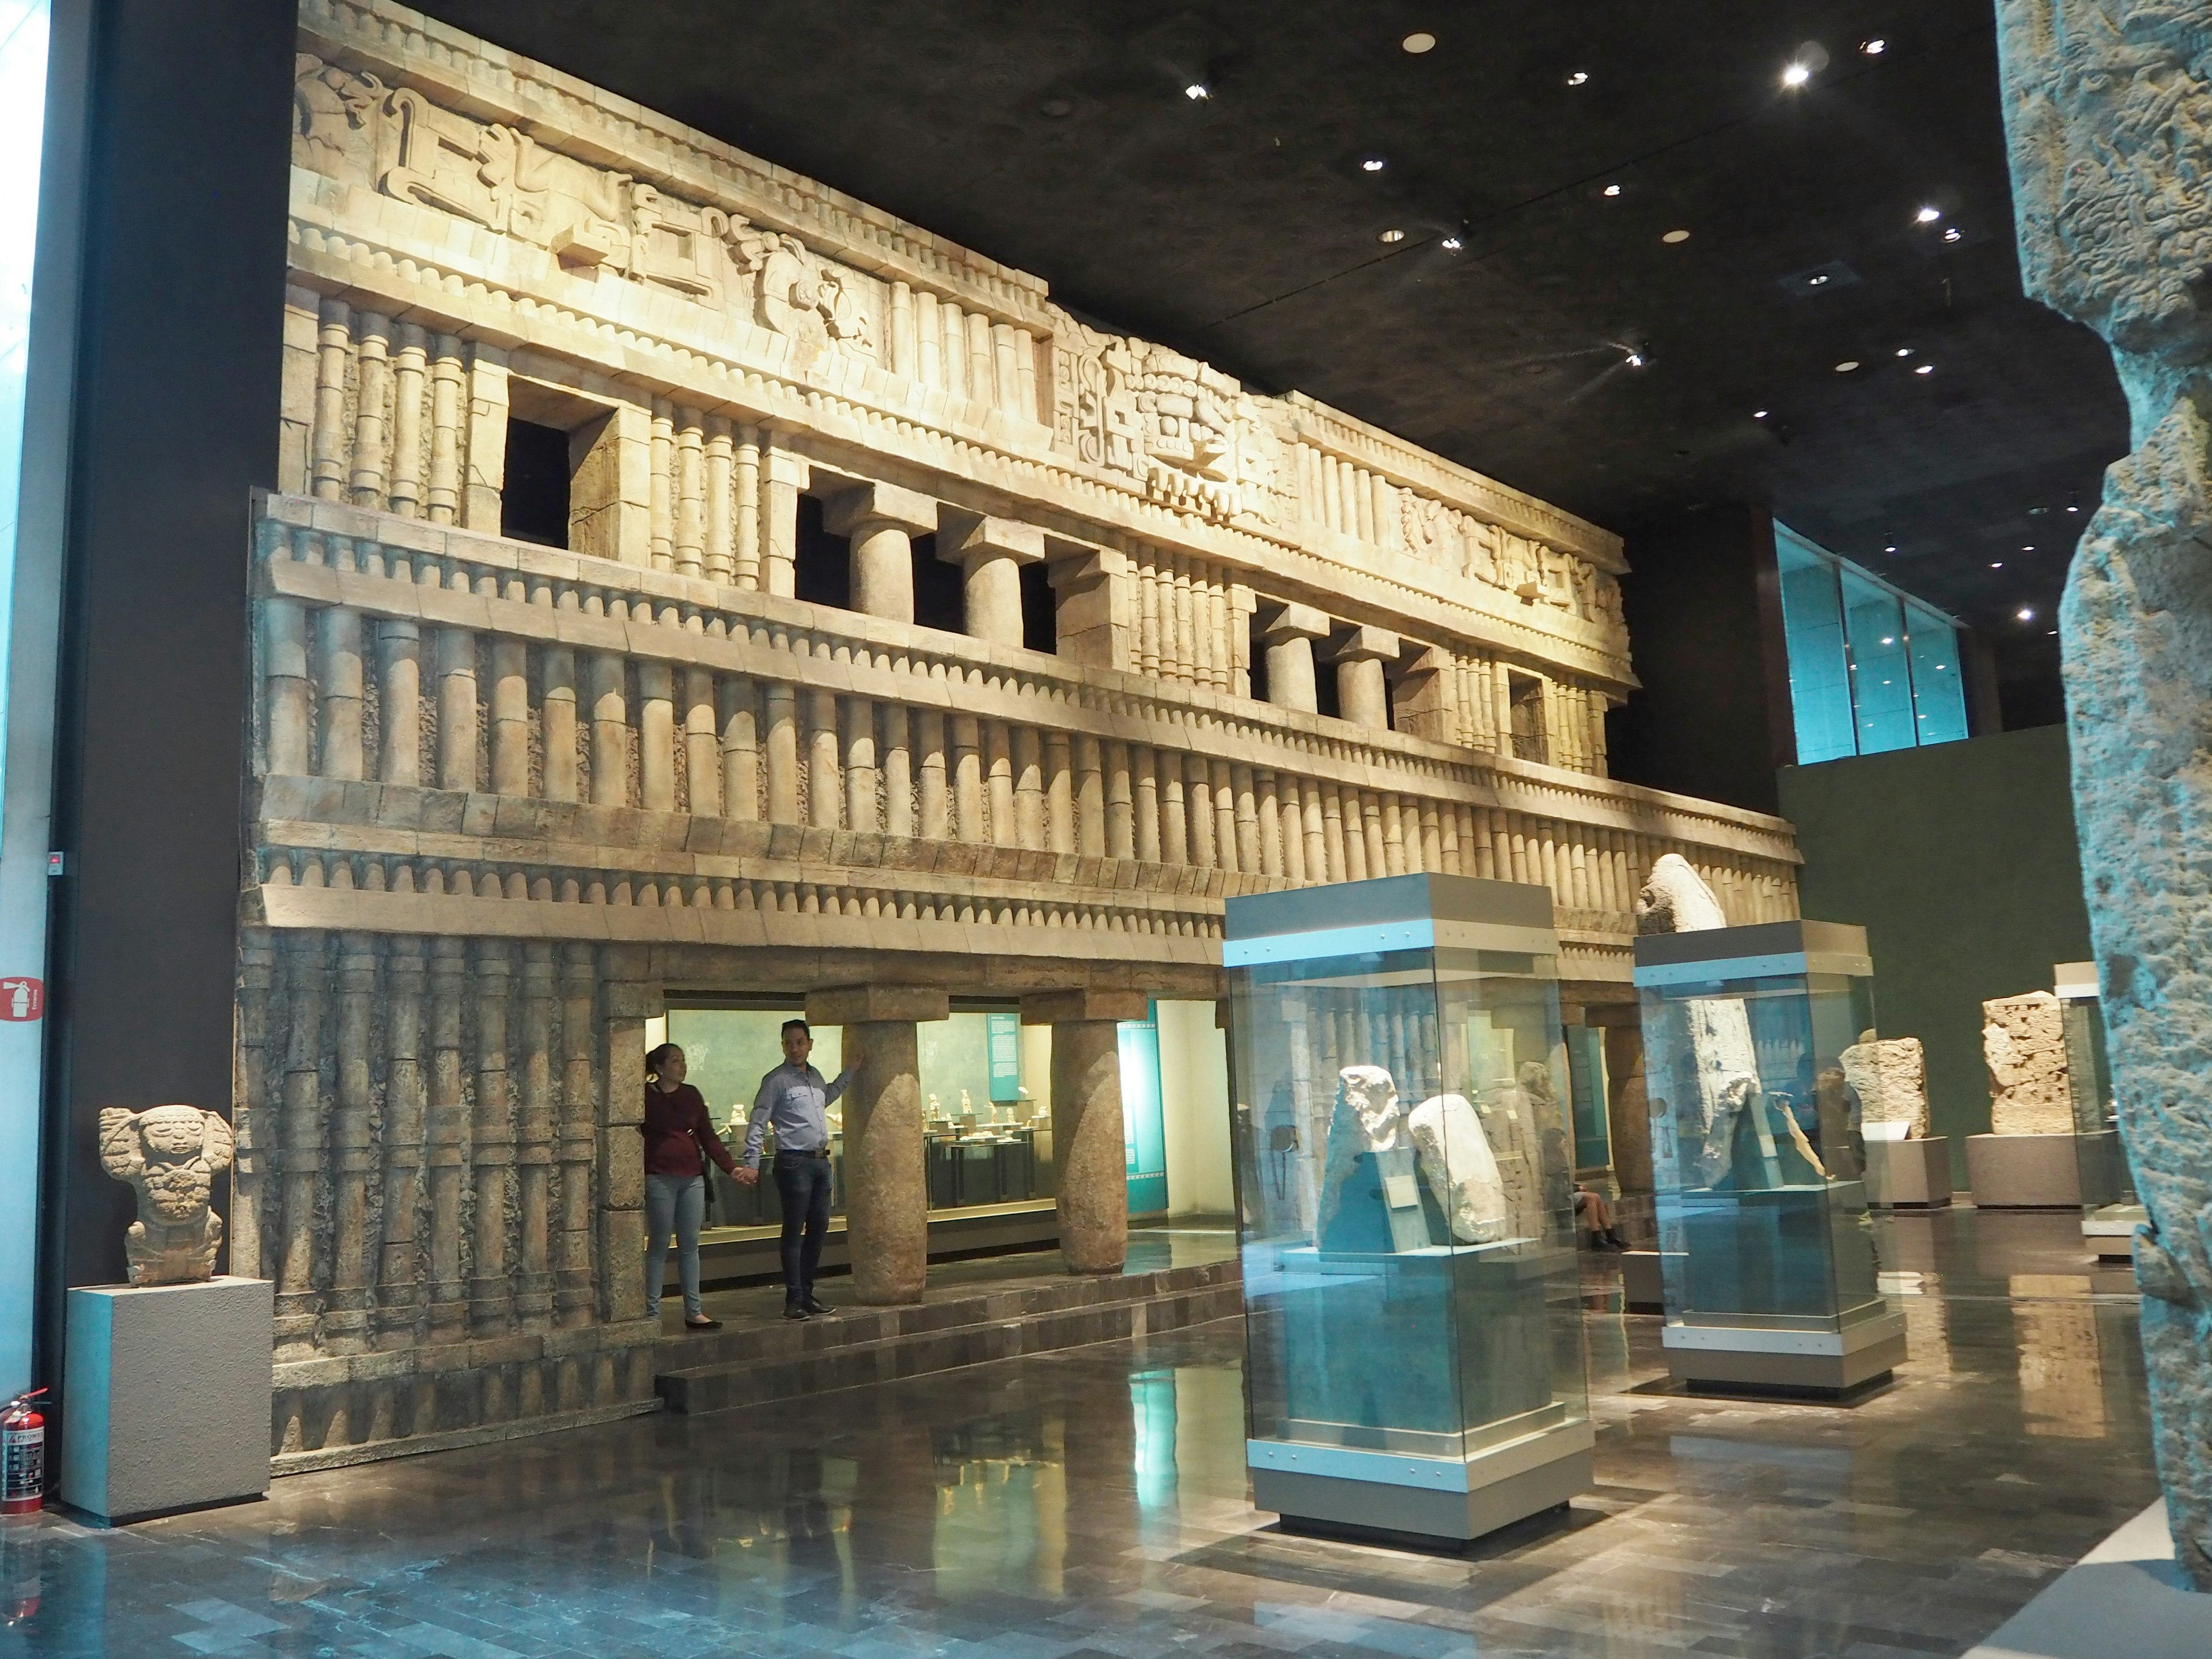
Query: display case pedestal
1909, 1175
1643, 1282
2023, 1172
1831, 1362
2110, 1231
1458, 1499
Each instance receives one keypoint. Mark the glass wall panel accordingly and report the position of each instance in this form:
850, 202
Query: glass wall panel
1881, 676
1819, 678
1939, 689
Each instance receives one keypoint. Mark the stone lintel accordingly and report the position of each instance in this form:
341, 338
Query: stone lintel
1062, 1007
1429, 659
1301, 621
1080, 562
781, 466
992, 539
850, 511
861, 1004
1367, 643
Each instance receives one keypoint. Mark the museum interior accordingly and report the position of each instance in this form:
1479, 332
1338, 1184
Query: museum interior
1050, 831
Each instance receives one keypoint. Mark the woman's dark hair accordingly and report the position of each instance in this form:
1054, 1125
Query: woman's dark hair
653, 1059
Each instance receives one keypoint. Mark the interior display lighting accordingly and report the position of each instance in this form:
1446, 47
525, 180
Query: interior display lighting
1892, 548
1757, 414
2026, 613
1847, 364
1610, 190
1578, 78
1418, 42
1795, 76
1997, 564
1951, 233
1452, 244
1392, 236
1635, 359
1673, 236
1874, 48
1905, 351
1925, 369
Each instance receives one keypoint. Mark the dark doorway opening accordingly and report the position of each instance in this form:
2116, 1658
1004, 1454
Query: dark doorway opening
533, 502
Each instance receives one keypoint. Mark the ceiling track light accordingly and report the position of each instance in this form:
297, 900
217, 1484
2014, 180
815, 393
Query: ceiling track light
1951, 233
1847, 364
1675, 238
1451, 245
1635, 359
1610, 190
1874, 48
1392, 236
1197, 91
1925, 369
1578, 78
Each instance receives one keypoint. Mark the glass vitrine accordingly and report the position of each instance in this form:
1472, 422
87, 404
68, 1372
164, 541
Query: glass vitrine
2110, 1206
1406, 1168
1759, 1159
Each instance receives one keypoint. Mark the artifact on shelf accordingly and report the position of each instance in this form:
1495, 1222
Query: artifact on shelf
2106, 111
1508, 1119
1370, 1193
170, 1156
1460, 1168
1675, 900
2024, 1045
1890, 1076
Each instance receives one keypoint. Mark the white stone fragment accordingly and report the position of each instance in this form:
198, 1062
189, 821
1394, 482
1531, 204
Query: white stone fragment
1460, 1168
2024, 1044
1890, 1075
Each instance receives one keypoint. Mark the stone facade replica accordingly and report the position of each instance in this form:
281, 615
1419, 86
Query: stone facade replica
170, 1156
2024, 1045
1890, 1075
2108, 106
1459, 1168
701, 730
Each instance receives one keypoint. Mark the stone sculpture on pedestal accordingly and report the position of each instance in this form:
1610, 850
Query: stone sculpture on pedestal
170, 1154
2108, 109
2024, 1045
1675, 900
1891, 1077
1369, 1200
1460, 1168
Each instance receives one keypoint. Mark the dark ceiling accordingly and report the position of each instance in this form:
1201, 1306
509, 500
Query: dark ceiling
1243, 227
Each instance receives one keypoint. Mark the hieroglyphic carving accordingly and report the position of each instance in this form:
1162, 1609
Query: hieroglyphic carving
170, 1156
2108, 108
2024, 1046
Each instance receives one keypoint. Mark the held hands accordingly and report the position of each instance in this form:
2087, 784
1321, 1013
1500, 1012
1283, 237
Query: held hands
747, 1177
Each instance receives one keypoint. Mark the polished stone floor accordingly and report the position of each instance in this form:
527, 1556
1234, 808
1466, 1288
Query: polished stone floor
1092, 1502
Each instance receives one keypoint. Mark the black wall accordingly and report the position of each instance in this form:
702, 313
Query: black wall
1960, 862
1704, 624
178, 357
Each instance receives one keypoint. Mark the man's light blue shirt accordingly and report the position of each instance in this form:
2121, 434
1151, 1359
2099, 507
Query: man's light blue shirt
792, 1099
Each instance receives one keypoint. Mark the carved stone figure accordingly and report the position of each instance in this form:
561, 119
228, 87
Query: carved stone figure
1891, 1077
1509, 1118
2024, 1045
1369, 1199
1460, 1169
2108, 107
170, 1154
1675, 900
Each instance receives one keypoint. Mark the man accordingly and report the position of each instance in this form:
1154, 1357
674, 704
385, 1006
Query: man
792, 1100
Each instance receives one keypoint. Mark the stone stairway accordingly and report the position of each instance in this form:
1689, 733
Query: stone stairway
765, 1360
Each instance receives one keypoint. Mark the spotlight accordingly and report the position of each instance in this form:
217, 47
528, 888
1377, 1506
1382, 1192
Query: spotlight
1418, 42
2027, 614
1905, 351
1874, 48
1847, 364
1997, 564
1757, 414
1675, 236
1610, 190
1925, 369
1892, 548
1451, 245
1928, 216
1795, 76
1889, 639
2073, 505
1392, 236
1636, 360
1951, 233
1372, 164
1578, 78
2030, 547
1196, 91
1819, 281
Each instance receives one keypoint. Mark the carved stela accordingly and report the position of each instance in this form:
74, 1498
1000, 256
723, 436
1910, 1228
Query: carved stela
170, 1156
2108, 108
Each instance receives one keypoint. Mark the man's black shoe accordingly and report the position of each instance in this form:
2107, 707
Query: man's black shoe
814, 1306
793, 1311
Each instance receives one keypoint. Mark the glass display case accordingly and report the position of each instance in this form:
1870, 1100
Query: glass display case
1758, 1157
1406, 1178
2111, 1210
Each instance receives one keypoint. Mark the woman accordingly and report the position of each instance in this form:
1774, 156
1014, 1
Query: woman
676, 1133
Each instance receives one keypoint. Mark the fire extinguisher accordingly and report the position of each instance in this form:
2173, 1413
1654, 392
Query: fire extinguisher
23, 1455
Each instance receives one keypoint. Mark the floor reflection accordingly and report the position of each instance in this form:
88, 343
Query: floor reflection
1094, 1502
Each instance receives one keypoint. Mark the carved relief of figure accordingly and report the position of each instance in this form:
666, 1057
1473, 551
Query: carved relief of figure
332, 108
170, 1156
1484, 545
1433, 533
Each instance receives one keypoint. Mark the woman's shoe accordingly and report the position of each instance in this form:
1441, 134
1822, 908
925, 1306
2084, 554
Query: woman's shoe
702, 1324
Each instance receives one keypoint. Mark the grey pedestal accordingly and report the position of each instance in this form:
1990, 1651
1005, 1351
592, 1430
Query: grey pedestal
1913, 1175
2125, 1596
1434, 1496
2023, 1172
167, 1404
1643, 1282
1786, 1361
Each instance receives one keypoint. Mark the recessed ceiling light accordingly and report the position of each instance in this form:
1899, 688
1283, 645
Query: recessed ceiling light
1196, 91
1418, 42
2073, 507
1892, 548
1578, 78
1392, 236
1057, 109
1928, 216
1372, 164
1951, 233
1905, 351
1610, 190
1925, 369
1874, 48
2027, 614
1636, 360
1796, 76
2050, 632
1757, 414
1452, 244
1847, 364
1819, 279
1997, 564
1676, 236
2030, 547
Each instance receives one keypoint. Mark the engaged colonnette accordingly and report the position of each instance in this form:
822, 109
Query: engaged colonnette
686, 578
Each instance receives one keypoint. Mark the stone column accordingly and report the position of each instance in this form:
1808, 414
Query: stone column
886, 1183
1086, 1121
1363, 695
882, 522
990, 553
1290, 634
784, 475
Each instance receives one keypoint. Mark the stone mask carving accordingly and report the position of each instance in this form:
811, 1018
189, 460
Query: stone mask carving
170, 1154
1374, 1100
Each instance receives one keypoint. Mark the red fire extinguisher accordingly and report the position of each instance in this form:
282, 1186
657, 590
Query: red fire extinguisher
23, 1455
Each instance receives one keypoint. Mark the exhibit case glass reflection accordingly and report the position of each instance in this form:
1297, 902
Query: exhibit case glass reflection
2111, 1208
1406, 1177
1758, 1157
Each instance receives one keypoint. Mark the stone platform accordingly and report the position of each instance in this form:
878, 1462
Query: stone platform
972, 1313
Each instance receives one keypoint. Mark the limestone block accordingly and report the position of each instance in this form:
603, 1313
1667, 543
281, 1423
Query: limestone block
169, 1156
1053, 1007
1890, 1076
850, 511
2024, 1045
855, 1005
1460, 1168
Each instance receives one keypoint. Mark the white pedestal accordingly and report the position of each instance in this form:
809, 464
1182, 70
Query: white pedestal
2023, 1172
2125, 1597
1912, 1174
166, 1400
1643, 1282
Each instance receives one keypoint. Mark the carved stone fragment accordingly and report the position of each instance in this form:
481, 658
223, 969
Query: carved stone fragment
170, 1156
1460, 1169
1890, 1075
2024, 1045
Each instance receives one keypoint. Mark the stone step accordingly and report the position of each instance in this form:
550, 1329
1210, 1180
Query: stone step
753, 1366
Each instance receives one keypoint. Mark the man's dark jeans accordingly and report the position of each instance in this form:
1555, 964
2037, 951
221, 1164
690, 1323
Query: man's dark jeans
802, 1181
